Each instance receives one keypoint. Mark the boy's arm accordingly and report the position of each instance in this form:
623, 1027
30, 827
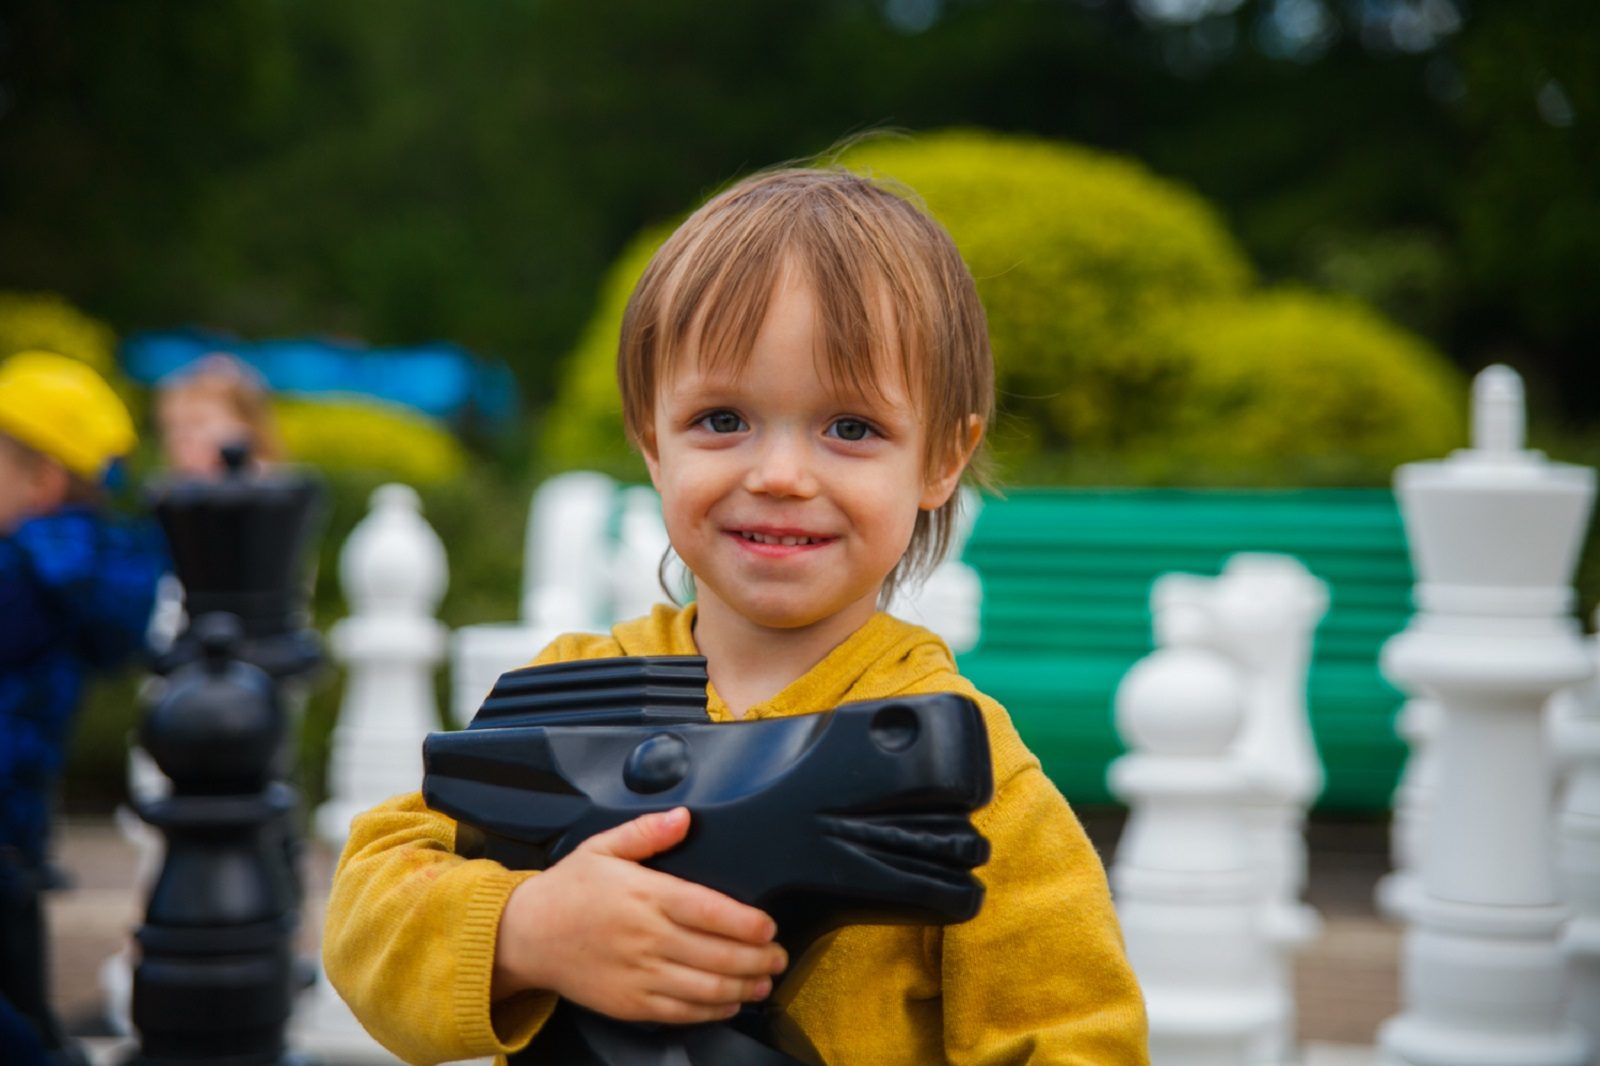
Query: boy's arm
409, 939
1040, 974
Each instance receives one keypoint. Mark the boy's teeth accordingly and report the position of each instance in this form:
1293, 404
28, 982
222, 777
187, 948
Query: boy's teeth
764, 538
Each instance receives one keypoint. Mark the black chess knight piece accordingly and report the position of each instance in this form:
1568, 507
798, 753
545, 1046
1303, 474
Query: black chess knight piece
855, 815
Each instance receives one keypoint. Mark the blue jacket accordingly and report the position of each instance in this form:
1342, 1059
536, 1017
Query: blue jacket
76, 592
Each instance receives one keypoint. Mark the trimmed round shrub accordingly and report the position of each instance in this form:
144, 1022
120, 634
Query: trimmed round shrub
46, 320
1073, 251
361, 435
1293, 386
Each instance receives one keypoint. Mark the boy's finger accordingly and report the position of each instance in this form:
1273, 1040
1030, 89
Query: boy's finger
644, 836
708, 911
698, 988
730, 958
679, 1012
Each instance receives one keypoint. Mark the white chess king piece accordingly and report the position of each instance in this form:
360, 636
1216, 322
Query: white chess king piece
1494, 533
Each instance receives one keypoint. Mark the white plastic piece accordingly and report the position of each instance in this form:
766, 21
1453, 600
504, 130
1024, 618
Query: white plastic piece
950, 601
1494, 533
393, 571
566, 586
1187, 892
1575, 734
641, 549
1418, 725
1267, 608
568, 554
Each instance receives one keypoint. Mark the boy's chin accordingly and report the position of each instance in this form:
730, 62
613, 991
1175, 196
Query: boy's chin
795, 617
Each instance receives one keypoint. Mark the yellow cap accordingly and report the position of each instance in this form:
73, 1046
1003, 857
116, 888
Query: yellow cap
63, 409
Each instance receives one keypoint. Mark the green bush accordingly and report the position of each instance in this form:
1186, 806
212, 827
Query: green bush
363, 435
1074, 251
1130, 345
46, 320
1291, 386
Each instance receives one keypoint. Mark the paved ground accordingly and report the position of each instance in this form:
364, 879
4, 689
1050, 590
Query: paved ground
1345, 983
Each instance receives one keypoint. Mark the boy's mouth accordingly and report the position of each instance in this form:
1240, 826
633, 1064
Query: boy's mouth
781, 538
787, 540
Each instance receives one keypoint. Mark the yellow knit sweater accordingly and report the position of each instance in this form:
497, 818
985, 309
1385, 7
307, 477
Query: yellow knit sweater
1039, 976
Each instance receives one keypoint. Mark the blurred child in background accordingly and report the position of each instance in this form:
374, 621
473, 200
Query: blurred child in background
75, 595
213, 402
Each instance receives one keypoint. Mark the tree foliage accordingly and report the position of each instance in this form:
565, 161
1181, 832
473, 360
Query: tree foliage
408, 170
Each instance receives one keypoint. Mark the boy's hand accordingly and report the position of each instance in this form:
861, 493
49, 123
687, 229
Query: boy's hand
631, 942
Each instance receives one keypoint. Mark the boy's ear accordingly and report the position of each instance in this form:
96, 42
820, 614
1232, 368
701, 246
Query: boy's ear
943, 479
652, 461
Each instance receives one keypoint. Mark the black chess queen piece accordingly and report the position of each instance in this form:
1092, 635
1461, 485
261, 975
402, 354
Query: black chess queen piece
239, 545
215, 978
856, 815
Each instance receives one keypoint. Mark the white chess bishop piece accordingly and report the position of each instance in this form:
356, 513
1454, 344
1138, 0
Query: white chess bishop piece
1494, 533
393, 571
1186, 889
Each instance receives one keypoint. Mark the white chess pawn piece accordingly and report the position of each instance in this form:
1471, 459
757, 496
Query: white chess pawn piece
1186, 890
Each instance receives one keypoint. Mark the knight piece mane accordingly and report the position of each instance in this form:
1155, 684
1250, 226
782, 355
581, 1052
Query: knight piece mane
858, 815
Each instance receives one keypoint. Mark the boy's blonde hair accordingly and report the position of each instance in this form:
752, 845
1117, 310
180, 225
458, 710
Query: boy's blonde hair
891, 291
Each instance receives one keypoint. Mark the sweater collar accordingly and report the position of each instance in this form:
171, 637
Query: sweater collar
834, 680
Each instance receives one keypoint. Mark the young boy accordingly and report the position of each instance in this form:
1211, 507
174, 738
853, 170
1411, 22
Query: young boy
75, 595
805, 368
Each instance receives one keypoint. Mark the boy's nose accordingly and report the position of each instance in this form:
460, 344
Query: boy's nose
781, 468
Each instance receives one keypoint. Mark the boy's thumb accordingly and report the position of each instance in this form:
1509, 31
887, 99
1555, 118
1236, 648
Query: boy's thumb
646, 835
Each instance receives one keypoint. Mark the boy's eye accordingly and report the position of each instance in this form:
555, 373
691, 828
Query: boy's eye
851, 429
722, 422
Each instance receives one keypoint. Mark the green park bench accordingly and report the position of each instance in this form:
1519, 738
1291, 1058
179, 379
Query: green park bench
1066, 611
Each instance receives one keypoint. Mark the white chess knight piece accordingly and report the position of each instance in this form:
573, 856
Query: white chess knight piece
1494, 533
1267, 607
567, 557
1186, 887
393, 571
565, 586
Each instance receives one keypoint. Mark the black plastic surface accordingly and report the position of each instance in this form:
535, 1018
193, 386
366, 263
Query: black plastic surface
858, 815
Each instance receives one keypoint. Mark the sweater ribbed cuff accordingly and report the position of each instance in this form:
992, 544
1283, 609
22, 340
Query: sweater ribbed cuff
485, 1030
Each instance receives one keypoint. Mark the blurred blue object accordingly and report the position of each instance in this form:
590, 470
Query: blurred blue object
441, 379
